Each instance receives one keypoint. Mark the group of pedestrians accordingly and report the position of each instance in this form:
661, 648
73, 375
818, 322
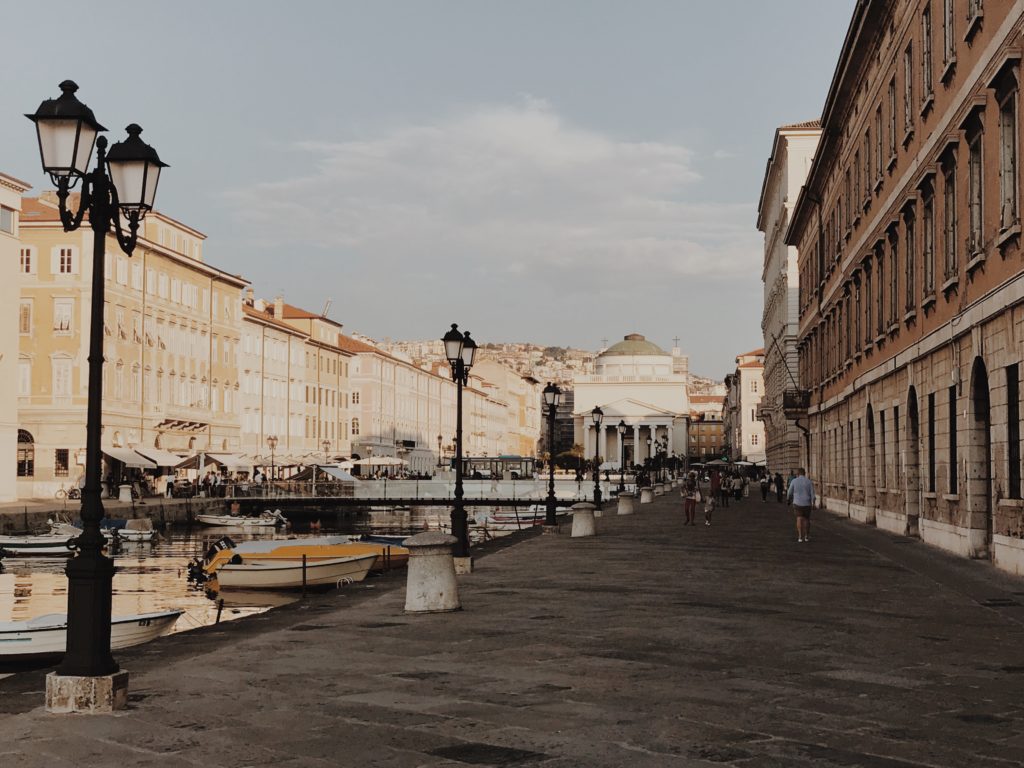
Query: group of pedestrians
798, 491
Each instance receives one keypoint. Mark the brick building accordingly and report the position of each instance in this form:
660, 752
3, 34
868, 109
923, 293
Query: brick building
911, 282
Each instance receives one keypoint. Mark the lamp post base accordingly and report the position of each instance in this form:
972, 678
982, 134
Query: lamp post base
463, 565
548, 529
67, 694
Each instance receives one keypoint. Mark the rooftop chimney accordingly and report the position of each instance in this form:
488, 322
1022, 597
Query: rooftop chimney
279, 307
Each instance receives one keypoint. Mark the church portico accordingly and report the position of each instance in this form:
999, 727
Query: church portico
637, 384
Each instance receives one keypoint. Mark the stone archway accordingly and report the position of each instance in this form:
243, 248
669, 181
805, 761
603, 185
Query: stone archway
912, 465
978, 480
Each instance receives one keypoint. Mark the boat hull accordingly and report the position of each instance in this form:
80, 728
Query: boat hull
47, 636
234, 521
284, 574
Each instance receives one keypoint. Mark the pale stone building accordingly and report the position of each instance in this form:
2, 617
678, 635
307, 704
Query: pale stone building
11, 452
911, 285
636, 382
743, 430
522, 394
792, 153
172, 328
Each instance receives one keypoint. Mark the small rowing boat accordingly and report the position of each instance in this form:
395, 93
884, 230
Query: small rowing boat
58, 542
266, 519
47, 635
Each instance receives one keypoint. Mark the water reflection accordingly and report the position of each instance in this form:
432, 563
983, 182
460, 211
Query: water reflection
152, 577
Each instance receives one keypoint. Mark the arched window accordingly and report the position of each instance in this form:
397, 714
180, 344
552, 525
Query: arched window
26, 454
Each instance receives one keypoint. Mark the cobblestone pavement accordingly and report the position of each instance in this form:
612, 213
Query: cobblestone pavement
651, 644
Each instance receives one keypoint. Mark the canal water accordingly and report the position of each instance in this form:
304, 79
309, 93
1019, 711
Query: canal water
153, 577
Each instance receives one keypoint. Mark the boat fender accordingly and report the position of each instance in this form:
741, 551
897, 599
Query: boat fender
235, 560
71, 543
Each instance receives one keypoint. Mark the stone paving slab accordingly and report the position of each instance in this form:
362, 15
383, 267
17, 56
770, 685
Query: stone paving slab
651, 644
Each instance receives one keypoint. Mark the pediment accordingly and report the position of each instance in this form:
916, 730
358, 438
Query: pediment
631, 410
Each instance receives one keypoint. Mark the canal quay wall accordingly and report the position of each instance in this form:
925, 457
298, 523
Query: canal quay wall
648, 645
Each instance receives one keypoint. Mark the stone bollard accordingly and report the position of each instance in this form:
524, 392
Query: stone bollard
67, 694
430, 585
124, 493
626, 503
646, 495
583, 520
659, 489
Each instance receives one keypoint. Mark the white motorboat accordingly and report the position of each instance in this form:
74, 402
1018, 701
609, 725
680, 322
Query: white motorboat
137, 530
47, 635
58, 542
266, 519
288, 574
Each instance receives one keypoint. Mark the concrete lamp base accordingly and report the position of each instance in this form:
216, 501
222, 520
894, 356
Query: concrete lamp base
549, 529
646, 495
583, 520
67, 694
463, 565
625, 504
430, 581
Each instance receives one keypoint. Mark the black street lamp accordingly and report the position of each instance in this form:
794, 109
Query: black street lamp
552, 399
598, 416
440, 464
272, 444
622, 456
649, 461
460, 350
326, 445
120, 189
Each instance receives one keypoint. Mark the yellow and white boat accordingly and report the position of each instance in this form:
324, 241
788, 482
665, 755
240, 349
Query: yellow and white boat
315, 549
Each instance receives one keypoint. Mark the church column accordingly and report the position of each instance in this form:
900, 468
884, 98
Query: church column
618, 457
586, 439
636, 444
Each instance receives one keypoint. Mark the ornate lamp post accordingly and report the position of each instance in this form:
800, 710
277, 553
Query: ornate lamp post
272, 445
649, 461
597, 415
460, 350
622, 456
552, 399
326, 445
119, 191
440, 463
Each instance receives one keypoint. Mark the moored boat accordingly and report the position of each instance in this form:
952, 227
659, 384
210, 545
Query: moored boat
58, 542
266, 519
137, 530
291, 574
47, 635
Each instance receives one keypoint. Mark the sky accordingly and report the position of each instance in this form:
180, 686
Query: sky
552, 171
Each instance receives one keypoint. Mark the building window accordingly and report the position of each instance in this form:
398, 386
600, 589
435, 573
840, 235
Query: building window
355, 427
892, 118
26, 454
6, 219
63, 310
948, 43
953, 484
926, 54
867, 165
949, 218
894, 277
880, 266
867, 302
355, 398
928, 241
931, 442
878, 144
974, 194
61, 377
25, 317
27, 265
910, 249
908, 88
64, 261
754, 439
1013, 428
1008, 160
60, 462
856, 174
883, 468
24, 378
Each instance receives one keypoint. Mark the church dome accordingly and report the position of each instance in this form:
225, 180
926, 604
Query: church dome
634, 345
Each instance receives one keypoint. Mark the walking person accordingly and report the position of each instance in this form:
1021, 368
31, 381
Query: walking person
737, 487
709, 507
779, 490
724, 489
801, 496
766, 484
690, 493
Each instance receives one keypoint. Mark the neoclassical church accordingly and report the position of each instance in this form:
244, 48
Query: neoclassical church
637, 382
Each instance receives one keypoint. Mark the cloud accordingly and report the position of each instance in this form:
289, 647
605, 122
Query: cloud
507, 189
723, 154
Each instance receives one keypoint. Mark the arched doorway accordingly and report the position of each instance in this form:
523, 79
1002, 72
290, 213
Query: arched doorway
26, 454
912, 466
979, 464
870, 479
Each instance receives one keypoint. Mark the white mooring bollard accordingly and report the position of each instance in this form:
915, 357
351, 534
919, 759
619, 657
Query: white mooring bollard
646, 495
430, 585
583, 520
659, 489
626, 503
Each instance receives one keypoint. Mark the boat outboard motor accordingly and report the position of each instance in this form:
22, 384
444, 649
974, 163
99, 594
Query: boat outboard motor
224, 542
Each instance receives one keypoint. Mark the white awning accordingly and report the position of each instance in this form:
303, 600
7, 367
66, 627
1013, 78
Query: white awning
231, 460
161, 457
129, 457
338, 474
